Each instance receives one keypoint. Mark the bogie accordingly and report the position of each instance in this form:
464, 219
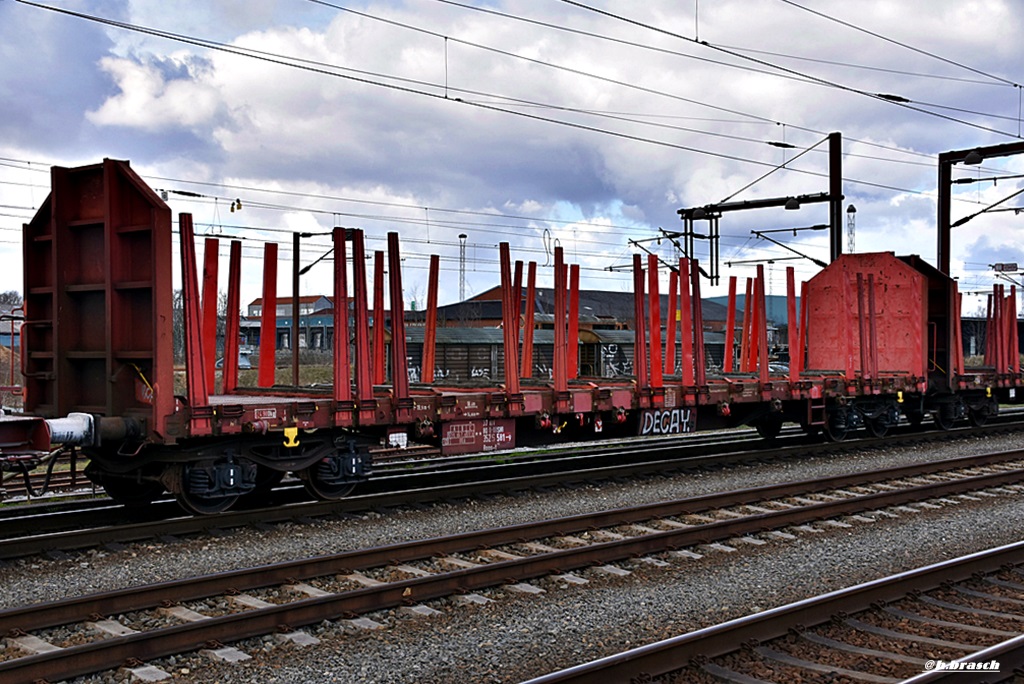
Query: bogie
210, 487
840, 421
980, 412
335, 476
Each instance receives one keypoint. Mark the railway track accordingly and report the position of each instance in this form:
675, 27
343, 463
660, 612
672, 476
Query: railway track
75, 483
397, 483
78, 636
55, 530
15, 490
956, 621
60, 482
16, 494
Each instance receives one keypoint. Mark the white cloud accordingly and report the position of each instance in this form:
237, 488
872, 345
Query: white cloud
153, 103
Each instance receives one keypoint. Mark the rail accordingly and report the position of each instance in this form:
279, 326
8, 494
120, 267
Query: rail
63, 530
528, 557
697, 652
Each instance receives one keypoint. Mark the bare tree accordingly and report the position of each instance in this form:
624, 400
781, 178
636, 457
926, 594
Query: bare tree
222, 321
178, 326
11, 297
415, 297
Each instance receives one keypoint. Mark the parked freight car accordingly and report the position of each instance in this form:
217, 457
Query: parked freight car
875, 338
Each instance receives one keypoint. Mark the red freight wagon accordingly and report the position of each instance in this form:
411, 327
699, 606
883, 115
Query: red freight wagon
875, 338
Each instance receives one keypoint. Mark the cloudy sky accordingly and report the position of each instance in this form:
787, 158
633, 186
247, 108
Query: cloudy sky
538, 122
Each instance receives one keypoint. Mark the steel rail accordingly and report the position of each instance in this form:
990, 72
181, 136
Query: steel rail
47, 615
568, 455
47, 519
118, 532
109, 653
113, 530
42, 517
673, 654
47, 534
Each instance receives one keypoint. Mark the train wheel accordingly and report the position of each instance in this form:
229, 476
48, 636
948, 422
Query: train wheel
876, 427
944, 417
131, 493
318, 486
836, 427
196, 503
980, 415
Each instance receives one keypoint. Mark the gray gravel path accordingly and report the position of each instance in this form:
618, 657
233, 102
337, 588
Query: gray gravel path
517, 637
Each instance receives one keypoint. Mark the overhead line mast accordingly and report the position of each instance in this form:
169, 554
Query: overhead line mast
713, 212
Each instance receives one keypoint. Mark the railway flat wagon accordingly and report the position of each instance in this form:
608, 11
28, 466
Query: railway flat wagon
876, 337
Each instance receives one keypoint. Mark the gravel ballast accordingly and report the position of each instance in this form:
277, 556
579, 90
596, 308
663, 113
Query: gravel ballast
518, 636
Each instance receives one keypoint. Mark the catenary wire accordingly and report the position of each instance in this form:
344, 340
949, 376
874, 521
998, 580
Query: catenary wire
897, 101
